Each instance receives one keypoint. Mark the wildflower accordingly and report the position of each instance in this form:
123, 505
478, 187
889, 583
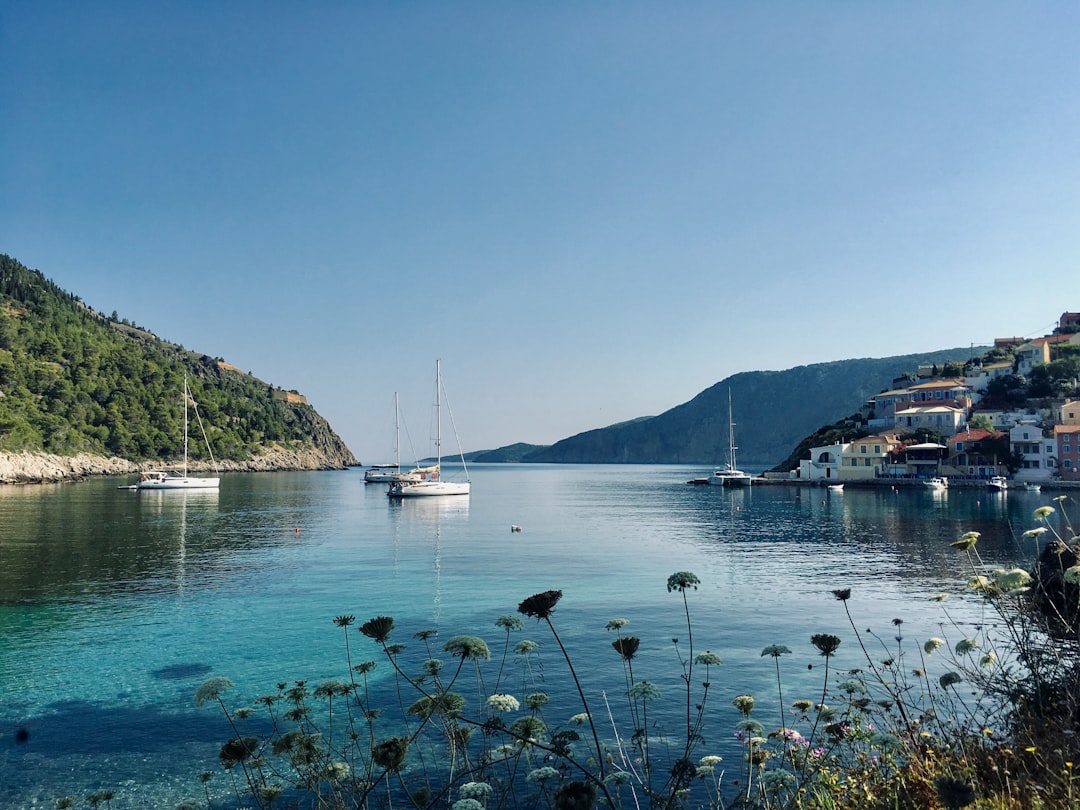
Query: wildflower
528, 728
626, 646
574, 795
980, 583
1072, 575
467, 804
965, 646
503, 703
1012, 579
474, 790
542, 774
852, 687
237, 750
681, 580
365, 667
448, 704
884, 741
775, 780
390, 753
1043, 512
751, 727
432, 666
333, 688
337, 770
775, 650
954, 794
424, 635
579, 719
802, 705
940, 597
967, 542
378, 628
825, 643
987, 660
344, 621
1061, 498
1036, 532
510, 622
744, 703
711, 760
949, 679
709, 659
540, 605
644, 690
212, 689
615, 624
535, 700
843, 594
525, 647
617, 778
933, 644
468, 647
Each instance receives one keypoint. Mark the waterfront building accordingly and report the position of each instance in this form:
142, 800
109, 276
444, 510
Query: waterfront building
968, 456
866, 458
1039, 452
824, 462
945, 419
1067, 438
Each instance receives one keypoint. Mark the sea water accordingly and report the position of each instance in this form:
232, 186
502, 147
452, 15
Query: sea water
115, 605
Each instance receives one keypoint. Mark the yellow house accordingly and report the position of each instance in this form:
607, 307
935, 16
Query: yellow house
1070, 413
865, 458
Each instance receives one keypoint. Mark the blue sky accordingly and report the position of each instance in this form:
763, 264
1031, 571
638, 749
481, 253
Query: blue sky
589, 211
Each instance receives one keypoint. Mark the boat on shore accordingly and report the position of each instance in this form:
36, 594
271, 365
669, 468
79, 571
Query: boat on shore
730, 475
431, 483
179, 479
936, 483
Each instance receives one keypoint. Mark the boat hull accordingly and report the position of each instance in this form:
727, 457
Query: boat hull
179, 482
427, 489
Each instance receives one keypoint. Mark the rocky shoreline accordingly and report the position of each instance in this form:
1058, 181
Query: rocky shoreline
43, 468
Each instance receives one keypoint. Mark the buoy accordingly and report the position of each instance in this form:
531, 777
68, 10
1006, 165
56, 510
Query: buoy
298, 530
515, 528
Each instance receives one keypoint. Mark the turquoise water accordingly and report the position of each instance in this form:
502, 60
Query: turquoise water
116, 605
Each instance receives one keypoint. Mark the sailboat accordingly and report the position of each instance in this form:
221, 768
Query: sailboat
388, 473
729, 475
432, 484
173, 479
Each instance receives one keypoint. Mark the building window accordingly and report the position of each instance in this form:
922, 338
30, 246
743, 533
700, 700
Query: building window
877, 449
866, 462
1066, 448
862, 449
959, 447
1065, 437
1067, 462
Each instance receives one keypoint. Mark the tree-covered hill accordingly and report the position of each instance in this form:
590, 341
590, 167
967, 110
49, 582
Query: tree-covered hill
75, 381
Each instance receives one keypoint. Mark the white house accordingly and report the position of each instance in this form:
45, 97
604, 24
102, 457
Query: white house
1039, 452
824, 462
944, 419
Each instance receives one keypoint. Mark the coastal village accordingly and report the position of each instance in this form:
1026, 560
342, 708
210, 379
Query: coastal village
1013, 414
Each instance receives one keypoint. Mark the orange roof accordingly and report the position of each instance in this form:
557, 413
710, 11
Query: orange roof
976, 435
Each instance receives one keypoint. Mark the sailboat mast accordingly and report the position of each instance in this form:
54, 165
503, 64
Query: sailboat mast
185, 425
397, 434
438, 414
731, 431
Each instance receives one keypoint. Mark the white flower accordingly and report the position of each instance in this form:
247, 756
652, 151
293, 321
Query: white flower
503, 703
541, 774
964, 646
580, 719
474, 790
932, 644
1043, 512
1072, 575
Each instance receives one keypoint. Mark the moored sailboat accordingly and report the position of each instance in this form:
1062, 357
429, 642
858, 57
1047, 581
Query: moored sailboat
730, 475
179, 479
432, 484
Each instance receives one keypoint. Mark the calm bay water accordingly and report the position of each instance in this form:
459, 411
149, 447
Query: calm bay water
116, 605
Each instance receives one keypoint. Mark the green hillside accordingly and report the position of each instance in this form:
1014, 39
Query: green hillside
73, 380
773, 411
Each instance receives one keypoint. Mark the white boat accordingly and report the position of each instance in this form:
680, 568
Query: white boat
388, 473
998, 483
729, 475
179, 479
836, 487
432, 484
936, 483
1031, 487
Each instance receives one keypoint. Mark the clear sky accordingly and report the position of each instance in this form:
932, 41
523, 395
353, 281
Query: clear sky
590, 211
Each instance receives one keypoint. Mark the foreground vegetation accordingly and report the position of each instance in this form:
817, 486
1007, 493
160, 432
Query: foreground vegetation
985, 718
73, 380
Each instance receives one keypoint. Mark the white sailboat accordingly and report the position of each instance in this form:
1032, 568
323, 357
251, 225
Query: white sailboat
388, 473
432, 484
729, 475
173, 479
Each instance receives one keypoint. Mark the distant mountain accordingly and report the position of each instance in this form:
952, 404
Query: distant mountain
773, 411
74, 381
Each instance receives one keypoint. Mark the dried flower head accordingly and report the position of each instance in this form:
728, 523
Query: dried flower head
616, 624
626, 646
525, 647
954, 794
344, 621
933, 644
510, 622
681, 580
536, 700
390, 753
540, 605
644, 690
1072, 575
842, 594
709, 659
775, 650
966, 645
378, 628
744, 703
211, 689
966, 542
949, 679
468, 647
825, 642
